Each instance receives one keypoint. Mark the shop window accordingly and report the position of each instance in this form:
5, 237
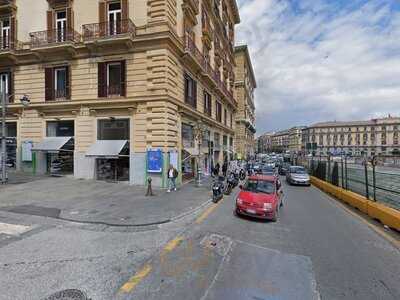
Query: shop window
113, 129
60, 128
190, 91
112, 79
187, 136
57, 85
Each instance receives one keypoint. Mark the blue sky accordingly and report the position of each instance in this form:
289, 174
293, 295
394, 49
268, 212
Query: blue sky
321, 60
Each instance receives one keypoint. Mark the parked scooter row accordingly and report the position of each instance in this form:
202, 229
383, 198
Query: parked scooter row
220, 187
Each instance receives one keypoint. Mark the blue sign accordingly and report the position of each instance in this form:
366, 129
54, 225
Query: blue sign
154, 161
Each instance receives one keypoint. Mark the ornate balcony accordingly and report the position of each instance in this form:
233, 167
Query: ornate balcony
112, 33
7, 7
193, 52
8, 49
55, 38
208, 35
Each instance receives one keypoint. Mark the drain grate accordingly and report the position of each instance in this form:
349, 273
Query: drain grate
218, 243
71, 294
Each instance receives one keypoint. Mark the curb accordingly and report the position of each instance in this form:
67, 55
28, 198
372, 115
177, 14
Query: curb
378, 211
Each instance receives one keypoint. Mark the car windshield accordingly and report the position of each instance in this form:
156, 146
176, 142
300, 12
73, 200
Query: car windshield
260, 186
298, 170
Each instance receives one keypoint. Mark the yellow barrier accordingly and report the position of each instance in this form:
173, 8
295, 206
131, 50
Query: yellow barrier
385, 214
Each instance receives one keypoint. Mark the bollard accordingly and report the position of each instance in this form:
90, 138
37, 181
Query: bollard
149, 188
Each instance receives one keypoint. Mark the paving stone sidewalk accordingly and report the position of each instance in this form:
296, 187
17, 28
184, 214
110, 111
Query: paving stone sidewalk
98, 202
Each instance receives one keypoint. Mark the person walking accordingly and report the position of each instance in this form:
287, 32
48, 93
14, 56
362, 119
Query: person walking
217, 169
224, 168
172, 175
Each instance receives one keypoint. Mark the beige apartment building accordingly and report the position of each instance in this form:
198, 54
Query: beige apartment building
118, 90
244, 91
371, 137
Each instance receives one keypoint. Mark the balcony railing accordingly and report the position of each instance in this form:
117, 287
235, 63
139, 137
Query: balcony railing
190, 47
6, 44
54, 37
112, 90
108, 30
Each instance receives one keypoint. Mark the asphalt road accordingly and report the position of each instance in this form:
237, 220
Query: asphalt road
316, 250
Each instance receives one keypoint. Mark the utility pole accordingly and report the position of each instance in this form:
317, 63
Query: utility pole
3, 132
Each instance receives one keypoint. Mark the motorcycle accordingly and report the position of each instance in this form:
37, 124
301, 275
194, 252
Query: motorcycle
231, 183
242, 174
218, 189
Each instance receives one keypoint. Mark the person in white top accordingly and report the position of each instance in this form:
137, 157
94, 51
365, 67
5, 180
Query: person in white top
172, 175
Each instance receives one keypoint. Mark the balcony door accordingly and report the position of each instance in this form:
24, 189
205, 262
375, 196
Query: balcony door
114, 18
61, 25
5, 33
60, 83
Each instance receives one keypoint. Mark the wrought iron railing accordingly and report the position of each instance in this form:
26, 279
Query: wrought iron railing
108, 29
190, 47
54, 36
112, 90
7, 44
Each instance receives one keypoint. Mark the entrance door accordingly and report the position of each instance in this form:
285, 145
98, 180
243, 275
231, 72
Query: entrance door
114, 18
5, 33
61, 26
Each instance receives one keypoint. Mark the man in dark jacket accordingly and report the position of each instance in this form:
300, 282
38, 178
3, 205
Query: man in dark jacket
172, 175
224, 168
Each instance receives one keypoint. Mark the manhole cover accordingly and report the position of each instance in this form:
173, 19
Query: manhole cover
71, 294
218, 243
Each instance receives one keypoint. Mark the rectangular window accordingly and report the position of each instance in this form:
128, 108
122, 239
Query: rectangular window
207, 103
114, 18
61, 25
5, 30
60, 128
231, 120
225, 117
187, 136
217, 139
190, 91
57, 83
218, 111
112, 79
113, 129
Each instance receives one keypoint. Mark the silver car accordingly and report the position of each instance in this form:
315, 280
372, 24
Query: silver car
297, 175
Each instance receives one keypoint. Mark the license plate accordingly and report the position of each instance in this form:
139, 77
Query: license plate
251, 211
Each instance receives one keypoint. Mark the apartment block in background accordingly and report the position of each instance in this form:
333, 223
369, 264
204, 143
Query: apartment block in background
245, 117
119, 89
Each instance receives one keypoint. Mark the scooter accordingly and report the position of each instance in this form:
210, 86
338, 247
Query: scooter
230, 184
218, 189
242, 174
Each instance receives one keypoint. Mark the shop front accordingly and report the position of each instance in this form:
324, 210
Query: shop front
111, 150
188, 152
11, 144
55, 153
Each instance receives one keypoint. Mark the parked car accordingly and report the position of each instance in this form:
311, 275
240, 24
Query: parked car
260, 197
297, 175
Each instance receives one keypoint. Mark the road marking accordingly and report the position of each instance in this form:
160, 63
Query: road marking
374, 227
173, 243
12, 229
208, 211
136, 279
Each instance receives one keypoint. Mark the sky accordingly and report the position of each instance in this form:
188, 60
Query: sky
322, 60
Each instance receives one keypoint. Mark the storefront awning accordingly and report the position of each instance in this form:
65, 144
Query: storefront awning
51, 144
107, 148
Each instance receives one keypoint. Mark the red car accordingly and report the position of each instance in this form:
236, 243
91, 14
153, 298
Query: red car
260, 197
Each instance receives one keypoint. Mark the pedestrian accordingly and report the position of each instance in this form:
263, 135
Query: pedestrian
217, 169
172, 175
224, 168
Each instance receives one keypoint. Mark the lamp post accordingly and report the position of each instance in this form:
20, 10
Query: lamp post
199, 130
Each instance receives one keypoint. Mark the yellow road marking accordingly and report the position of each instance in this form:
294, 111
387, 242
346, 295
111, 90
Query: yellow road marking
173, 243
207, 212
134, 280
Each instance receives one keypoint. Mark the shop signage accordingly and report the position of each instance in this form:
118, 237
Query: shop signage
154, 161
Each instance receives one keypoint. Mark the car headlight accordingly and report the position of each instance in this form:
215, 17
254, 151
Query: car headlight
267, 206
239, 201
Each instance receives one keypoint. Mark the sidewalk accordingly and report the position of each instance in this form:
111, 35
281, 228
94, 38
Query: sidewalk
116, 204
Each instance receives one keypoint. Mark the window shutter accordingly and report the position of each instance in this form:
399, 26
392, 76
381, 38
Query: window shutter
102, 76
11, 87
102, 18
49, 84
125, 9
13, 33
186, 82
67, 83
123, 78
194, 100
70, 19
50, 26
205, 101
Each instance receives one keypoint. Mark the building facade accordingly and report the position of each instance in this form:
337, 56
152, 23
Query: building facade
118, 90
244, 93
264, 143
295, 139
372, 137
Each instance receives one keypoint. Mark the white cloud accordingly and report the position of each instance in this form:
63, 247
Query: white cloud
319, 60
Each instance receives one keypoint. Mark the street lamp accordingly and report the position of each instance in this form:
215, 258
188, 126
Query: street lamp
199, 130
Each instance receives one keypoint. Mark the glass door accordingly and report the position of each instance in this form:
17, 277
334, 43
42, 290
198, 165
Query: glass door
61, 26
5, 33
114, 18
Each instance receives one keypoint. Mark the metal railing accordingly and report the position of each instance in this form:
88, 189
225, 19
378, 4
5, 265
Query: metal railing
108, 29
364, 177
112, 90
7, 44
54, 36
190, 47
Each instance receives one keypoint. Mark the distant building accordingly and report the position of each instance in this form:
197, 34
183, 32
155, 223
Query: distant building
264, 143
371, 137
281, 141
